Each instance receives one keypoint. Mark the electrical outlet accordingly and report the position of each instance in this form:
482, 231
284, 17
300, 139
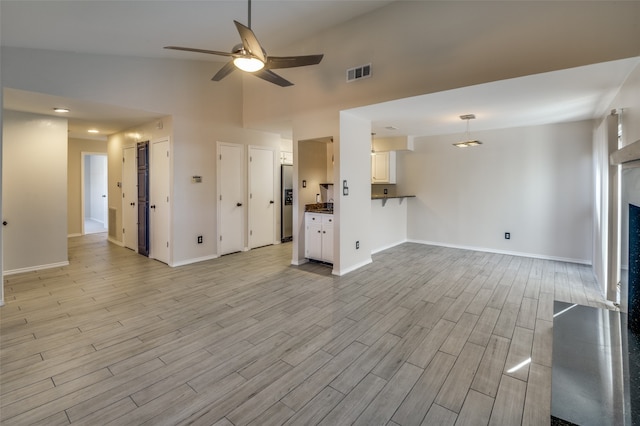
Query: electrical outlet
507, 235
357, 245
199, 239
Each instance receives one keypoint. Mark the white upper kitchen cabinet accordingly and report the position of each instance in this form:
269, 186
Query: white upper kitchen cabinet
383, 167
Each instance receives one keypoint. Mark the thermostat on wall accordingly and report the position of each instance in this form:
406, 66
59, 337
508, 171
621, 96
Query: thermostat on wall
196, 179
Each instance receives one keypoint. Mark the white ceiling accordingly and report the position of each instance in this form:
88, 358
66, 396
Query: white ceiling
142, 28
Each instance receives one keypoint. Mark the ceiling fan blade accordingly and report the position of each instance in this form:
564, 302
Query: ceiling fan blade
272, 77
276, 62
250, 42
224, 71
210, 52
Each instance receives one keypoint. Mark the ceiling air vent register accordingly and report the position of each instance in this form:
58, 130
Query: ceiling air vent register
358, 73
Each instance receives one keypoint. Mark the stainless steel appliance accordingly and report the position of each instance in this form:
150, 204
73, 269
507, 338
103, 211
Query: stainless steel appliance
286, 203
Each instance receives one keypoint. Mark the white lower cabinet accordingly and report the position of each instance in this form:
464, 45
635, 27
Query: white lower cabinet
319, 237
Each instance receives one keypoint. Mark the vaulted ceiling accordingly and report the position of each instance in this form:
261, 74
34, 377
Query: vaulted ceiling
142, 28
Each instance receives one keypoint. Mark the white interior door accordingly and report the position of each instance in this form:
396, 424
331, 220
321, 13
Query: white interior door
261, 196
95, 204
231, 195
129, 199
159, 207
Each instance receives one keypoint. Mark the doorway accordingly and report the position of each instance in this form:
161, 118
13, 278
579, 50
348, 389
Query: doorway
95, 203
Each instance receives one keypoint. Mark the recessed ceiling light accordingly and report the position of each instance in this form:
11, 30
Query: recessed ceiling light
93, 131
391, 128
61, 110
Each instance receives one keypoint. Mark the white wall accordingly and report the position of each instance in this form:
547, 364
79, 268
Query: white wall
34, 191
388, 223
352, 212
628, 100
534, 182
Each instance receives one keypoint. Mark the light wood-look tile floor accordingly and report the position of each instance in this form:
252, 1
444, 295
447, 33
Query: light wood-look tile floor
423, 335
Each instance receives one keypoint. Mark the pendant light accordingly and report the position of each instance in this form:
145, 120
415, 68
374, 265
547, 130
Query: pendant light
468, 142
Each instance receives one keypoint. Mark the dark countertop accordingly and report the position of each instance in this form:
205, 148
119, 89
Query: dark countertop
325, 208
383, 197
321, 211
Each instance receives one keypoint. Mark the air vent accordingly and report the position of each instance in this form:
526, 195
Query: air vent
357, 73
112, 222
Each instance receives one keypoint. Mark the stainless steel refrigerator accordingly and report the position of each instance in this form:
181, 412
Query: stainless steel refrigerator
286, 203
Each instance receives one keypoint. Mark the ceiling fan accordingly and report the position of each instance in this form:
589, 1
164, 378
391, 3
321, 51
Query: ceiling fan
249, 56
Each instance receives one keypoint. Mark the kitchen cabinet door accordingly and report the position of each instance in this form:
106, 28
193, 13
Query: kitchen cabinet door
383, 167
318, 243
313, 236
327, 242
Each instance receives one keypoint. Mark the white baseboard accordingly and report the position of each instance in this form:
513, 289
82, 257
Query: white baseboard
116, 242
74, 235
507, 252
194, 260
35, 268
388, 246
345, 271
299, 262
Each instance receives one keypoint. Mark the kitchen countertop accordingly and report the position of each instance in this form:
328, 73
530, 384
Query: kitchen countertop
321, 211
383, 197
324, 208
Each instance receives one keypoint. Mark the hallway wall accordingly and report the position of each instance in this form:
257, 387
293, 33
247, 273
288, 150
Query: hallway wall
34, 191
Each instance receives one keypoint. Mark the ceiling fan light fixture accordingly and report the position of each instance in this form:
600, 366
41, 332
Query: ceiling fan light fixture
61, 110
248, 64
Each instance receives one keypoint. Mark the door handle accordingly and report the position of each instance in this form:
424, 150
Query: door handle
104, 196
271, 202
133, 204
152, 207
239, 204
4, 223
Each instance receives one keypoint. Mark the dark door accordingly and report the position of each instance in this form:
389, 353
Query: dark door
143, 197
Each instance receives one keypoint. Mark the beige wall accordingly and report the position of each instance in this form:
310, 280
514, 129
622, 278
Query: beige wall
419, 47
534, 182
74, 178
34, 191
